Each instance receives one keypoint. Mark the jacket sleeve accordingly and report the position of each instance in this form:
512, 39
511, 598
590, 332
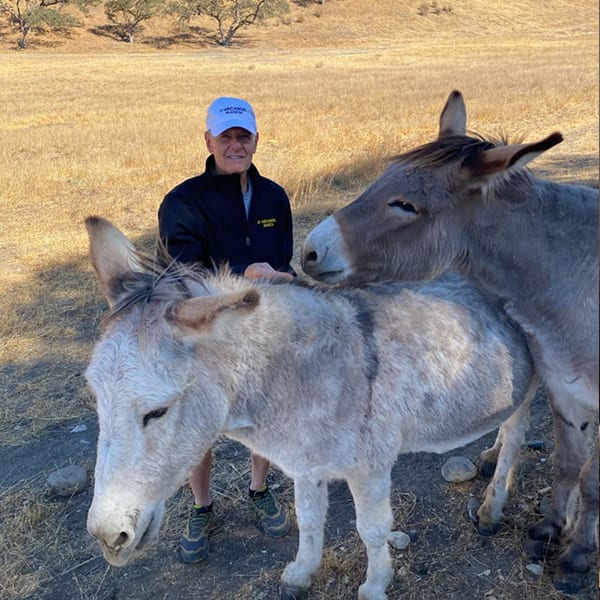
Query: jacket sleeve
182, 231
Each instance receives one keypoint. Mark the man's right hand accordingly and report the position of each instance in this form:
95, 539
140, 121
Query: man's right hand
264, 270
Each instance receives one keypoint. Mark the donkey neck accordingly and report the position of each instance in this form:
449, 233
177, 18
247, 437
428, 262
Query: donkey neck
294, 329
550, 224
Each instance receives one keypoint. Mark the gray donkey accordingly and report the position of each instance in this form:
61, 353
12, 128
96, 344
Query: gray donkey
467, 204
325, 383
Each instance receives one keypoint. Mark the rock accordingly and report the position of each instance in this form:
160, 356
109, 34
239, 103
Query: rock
535, 569
545, 506
68, 481
536, 444
79, 428
458, 468
398, 540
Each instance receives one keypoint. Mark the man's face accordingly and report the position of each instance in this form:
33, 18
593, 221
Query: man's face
233, 150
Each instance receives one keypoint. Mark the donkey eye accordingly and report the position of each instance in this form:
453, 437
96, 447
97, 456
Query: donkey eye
406, 206
154, 414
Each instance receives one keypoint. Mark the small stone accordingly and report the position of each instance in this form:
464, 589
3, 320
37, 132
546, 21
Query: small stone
68, 481
78, 428
536, 444
398, 540
535, 569
458, 468
545, 506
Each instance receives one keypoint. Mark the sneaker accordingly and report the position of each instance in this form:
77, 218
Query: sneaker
272, 517
193, 544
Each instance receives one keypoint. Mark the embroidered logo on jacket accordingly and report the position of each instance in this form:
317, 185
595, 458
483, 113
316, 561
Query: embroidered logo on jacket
267, 222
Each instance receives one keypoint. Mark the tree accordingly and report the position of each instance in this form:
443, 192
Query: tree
28, 16
127, 15
230, 15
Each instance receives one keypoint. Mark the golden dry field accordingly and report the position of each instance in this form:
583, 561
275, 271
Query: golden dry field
89, 125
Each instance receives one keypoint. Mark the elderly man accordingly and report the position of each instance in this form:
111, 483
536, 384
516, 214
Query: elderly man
230, 214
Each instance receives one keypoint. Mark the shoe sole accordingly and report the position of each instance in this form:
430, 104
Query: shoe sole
192, 557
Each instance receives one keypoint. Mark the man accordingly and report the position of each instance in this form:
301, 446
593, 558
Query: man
232, 215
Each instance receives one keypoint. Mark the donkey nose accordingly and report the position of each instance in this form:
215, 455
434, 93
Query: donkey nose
120, 541
323, 247
310, 256
113, 540
314, 251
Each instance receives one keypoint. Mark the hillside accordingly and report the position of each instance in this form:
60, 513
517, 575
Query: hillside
338, 23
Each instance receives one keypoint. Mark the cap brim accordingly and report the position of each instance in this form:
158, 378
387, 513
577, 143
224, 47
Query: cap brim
229, 123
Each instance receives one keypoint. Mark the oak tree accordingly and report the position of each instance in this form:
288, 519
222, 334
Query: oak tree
29, 16
128, 15
230, 15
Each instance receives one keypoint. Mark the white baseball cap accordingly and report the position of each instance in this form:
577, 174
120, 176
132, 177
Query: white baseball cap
225, 113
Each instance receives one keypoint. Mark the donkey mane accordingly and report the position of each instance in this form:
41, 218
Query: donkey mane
444, 151
459, 150
157, 279
451, 149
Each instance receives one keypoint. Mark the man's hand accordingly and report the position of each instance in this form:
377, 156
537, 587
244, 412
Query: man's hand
264, 270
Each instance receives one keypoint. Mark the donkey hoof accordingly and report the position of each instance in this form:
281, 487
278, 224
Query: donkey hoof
487, 469
537, 550
292, 592
544, 531
488, 529
569, 583
574, 561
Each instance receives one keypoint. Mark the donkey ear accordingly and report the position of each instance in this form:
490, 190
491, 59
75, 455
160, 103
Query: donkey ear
212, 315
112, 255
502, 158
453, 120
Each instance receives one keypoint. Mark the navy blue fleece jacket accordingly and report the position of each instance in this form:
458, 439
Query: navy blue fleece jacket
203, 220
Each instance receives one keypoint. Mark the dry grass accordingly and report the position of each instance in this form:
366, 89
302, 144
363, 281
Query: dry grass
108, 129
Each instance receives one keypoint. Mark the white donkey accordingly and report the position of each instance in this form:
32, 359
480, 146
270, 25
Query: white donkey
467, 204
326, 383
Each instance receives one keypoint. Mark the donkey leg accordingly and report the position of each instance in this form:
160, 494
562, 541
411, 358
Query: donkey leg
488, 459
511, 437
311, 509
371, 494
570, 454
583, 539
